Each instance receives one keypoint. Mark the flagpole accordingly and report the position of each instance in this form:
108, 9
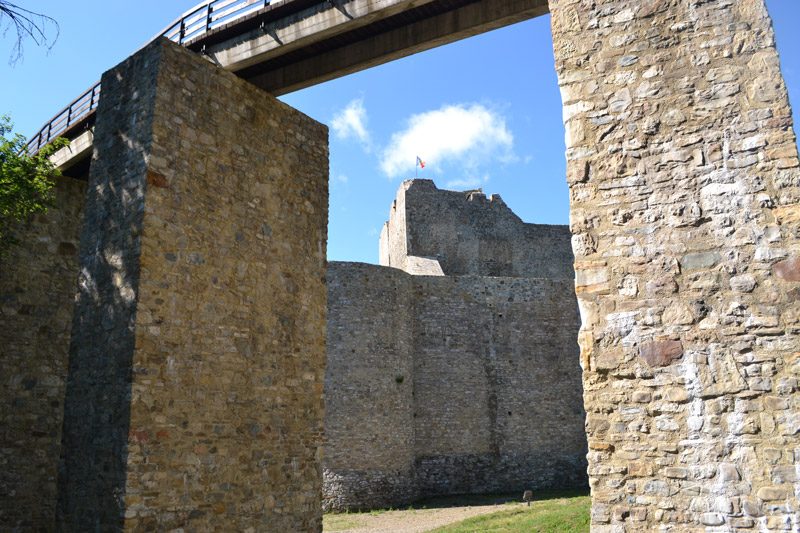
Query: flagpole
416, 167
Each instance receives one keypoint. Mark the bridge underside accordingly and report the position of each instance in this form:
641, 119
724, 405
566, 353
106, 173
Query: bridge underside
281, 50
353, 37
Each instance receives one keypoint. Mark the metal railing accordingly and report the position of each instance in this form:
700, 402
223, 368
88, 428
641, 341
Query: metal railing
192, 25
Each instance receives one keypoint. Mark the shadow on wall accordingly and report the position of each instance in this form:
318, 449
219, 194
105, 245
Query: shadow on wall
96, 433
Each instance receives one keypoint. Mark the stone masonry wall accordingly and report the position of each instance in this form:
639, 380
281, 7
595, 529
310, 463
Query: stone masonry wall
440, 384
369, 385
37, 291
685, 209
194, 395
497, 394
446, 385
471, 234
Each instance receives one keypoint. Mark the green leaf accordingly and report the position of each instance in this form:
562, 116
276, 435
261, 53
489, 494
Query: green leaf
26, 180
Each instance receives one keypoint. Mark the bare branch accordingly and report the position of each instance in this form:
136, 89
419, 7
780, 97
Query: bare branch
26, 24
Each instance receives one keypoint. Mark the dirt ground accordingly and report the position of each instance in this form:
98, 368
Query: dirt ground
428, 516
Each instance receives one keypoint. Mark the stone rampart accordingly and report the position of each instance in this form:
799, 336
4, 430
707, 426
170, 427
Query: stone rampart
37, 296
369, 384
468, 233
497, 396
439, 384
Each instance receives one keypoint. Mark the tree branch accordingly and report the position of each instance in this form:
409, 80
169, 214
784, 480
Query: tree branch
26, 24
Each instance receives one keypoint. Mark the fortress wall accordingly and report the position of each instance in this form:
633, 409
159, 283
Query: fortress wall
194, 395
393, 243
369, 381
685, 208
491, 396
37, 291
498, 400
472, 234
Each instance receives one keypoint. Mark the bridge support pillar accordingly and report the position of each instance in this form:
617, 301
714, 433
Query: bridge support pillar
685, 213
194, 394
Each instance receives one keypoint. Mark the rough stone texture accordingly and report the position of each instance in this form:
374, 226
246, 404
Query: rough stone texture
468, 233
37, 292
451, 384
369, 382
683, 173
194, 394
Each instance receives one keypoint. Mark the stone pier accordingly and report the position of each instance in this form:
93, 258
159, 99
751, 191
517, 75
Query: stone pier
194, 392
685, 214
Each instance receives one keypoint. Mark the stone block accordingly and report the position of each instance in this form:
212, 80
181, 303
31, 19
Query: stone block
788, 214
676, 394
784, 474
787, 270
728, 472
661, 352
773, 493
712, 519
743, 283
700, 261
591, 279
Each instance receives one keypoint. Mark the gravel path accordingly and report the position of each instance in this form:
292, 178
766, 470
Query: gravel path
406, 521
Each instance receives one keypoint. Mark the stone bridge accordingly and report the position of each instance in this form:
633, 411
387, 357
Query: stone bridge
191, 396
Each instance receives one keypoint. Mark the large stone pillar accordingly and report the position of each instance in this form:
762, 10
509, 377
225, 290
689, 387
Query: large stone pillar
194, 396
685, 212
37, 295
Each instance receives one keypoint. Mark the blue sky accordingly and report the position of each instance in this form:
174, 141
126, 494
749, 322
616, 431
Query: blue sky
483, 112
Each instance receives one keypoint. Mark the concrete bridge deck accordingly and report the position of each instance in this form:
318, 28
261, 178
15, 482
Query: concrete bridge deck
287, 45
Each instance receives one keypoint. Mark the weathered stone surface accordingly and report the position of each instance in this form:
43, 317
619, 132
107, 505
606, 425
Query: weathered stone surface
743, 283
194, 393
676, 394
712, 519
773, 493
37, 292
661, 353
728, 472
785, 474
486, 241
788, 270
450, 384
689, 108
700, 261
591, 277
787, 214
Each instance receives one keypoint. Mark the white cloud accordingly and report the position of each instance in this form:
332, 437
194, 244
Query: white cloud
351, 122
468, 136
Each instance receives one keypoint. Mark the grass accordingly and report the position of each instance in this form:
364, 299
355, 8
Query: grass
552, 512
340, 522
